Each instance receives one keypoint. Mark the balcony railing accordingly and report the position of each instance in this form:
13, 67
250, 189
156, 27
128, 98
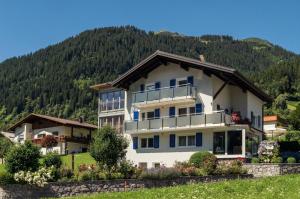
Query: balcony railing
168, 93
186, 121
111, 105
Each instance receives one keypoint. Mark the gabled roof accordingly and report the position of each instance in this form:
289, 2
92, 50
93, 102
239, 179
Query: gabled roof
102, 86
32, 117
227, 74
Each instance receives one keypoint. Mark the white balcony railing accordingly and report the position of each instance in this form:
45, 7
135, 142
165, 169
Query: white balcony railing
167, 93
186, 121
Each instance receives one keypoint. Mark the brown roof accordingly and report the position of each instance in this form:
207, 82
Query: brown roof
101, 86
33, 116
270, 118
159, 57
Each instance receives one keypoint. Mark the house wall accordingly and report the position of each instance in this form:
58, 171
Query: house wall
255, 105
269, 126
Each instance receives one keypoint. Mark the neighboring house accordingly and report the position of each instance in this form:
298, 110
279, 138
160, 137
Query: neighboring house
175, 106
72, 136
272, 126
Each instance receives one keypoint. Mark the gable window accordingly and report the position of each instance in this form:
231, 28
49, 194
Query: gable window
146, 142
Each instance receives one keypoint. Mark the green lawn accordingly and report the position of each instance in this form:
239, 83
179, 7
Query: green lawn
80, 158
265, 188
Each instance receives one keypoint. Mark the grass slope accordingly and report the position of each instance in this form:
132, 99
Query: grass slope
80, 158
264, 188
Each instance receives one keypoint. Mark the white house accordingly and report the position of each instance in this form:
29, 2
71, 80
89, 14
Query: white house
175, 106
272, 126
71, 136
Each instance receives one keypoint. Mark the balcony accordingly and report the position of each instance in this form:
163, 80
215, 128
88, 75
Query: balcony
111, 106
218, 118
167, 95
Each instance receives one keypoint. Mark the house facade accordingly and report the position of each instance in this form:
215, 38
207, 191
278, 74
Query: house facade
175, 106
273, 126
71, 136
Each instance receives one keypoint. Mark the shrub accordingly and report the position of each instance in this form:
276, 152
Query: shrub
160, 173
235, 167
205, 160
277, 160
65, 172
127, 169
6, 178
39, 178
185, 168
291, 160
52, 159
23, 157
85, 167
116, 175
254, 160
5, 145
88, 175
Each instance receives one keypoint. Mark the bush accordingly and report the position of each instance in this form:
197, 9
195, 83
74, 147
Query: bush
277, 160
85, 167
160, 173
52, 159
254, 160
88, 175
23, 157
186, 169
127, 169
65, 172
291, 160
39, 178
6, 178
235, 167
205, 160
116, 175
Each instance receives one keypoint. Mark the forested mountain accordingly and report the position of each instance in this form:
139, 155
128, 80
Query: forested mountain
56, 80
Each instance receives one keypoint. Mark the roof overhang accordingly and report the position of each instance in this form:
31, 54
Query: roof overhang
158, 58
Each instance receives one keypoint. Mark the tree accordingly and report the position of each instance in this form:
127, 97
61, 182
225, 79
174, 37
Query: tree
23, 157
108, 147
5, 145
48, 141
294, 118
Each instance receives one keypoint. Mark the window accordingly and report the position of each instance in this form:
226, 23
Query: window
258, 121
156, 165
150, 115
191, 140
182, 141
41, 135
150, 87
182, 111
182, 82
143, 116
234, 142
192, 110
219, 143
143, 165
146, 142
55, 133
218, 107
187, 140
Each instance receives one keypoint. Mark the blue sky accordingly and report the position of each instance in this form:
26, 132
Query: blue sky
26, 26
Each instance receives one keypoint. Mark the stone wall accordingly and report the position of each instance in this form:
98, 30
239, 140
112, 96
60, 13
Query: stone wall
268, 169
76, 188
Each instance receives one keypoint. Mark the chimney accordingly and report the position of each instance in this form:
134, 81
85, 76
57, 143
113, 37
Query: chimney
202, 58
81, 119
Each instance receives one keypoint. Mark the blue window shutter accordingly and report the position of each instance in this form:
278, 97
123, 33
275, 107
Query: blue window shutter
172, 82
198, 139
198, 108
156, 141
135, 115
171, 111
135, 142
190, 80
157, 85
157, 113
172, 140
142, 87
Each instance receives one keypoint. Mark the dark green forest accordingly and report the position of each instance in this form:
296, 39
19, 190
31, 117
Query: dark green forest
55, 80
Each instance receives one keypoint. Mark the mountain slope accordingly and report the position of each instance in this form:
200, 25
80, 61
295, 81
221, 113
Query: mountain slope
56, 80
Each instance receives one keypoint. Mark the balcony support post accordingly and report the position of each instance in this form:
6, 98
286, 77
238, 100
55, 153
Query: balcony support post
204, 119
